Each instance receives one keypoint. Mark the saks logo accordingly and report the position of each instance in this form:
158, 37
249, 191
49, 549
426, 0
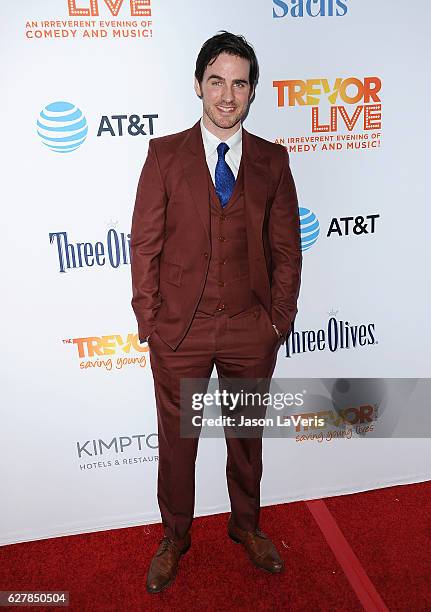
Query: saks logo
115, 251
98, 352
62, 126
310, 8
87, 8
350, 91
346, 226
338, 334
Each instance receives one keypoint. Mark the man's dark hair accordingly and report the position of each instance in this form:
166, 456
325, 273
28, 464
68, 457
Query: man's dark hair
233, 44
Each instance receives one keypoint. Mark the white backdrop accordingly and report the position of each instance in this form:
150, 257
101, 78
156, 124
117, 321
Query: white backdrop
73, 372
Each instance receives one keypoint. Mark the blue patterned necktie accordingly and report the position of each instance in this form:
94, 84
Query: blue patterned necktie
224, 177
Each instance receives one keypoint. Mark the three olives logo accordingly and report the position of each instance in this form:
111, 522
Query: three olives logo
310, 228
62, 127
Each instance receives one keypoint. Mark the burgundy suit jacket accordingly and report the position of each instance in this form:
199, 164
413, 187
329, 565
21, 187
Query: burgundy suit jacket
170, 239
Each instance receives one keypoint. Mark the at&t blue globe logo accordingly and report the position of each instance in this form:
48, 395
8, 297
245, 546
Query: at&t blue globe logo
310, 228
62, 127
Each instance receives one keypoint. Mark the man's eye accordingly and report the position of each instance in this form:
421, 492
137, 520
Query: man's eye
239, 84
216, 82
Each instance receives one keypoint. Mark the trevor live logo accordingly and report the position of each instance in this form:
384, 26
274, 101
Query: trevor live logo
90, 8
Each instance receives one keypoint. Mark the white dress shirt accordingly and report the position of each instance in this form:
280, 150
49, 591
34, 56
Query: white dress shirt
232, 157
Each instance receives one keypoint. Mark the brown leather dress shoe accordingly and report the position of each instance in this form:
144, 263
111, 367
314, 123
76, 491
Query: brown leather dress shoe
259, 547
164, 564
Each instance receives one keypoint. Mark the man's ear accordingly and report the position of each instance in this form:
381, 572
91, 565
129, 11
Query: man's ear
198, 88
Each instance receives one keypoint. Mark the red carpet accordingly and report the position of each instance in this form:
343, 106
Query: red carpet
368, 551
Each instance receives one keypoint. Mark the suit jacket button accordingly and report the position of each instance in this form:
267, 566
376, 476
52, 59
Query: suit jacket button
206, 255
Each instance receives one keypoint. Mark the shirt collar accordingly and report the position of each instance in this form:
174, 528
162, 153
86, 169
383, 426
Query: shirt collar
211, 141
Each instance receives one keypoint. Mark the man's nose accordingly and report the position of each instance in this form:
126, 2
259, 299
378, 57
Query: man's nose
228, 93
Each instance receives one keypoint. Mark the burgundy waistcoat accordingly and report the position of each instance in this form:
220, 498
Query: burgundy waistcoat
227, 286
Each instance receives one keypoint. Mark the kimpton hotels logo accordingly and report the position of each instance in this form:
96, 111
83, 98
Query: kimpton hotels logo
118, 451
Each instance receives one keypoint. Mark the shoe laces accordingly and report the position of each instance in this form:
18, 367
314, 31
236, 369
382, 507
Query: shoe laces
166, 543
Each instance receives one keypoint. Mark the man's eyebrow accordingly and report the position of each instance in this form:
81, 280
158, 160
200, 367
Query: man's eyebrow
219, 78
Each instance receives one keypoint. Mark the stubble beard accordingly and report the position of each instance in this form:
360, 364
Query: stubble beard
225, 122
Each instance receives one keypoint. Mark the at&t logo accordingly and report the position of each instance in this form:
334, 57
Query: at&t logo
62, 127
310, 228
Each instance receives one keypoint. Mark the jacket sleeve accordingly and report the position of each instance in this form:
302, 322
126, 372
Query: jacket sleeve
285, 244
146, 242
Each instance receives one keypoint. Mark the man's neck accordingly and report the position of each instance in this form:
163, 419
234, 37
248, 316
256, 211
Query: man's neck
221, 133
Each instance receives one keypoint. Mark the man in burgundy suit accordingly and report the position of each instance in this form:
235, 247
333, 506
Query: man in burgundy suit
216, 266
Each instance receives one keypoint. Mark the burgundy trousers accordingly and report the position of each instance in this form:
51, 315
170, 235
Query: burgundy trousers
242, 346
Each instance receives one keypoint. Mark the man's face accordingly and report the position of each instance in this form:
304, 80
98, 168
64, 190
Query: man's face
225, 91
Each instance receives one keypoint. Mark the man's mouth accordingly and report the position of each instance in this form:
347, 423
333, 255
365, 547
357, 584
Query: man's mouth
226, 109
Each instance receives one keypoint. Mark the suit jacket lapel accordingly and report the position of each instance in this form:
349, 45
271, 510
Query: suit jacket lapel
196, 172
256, 173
